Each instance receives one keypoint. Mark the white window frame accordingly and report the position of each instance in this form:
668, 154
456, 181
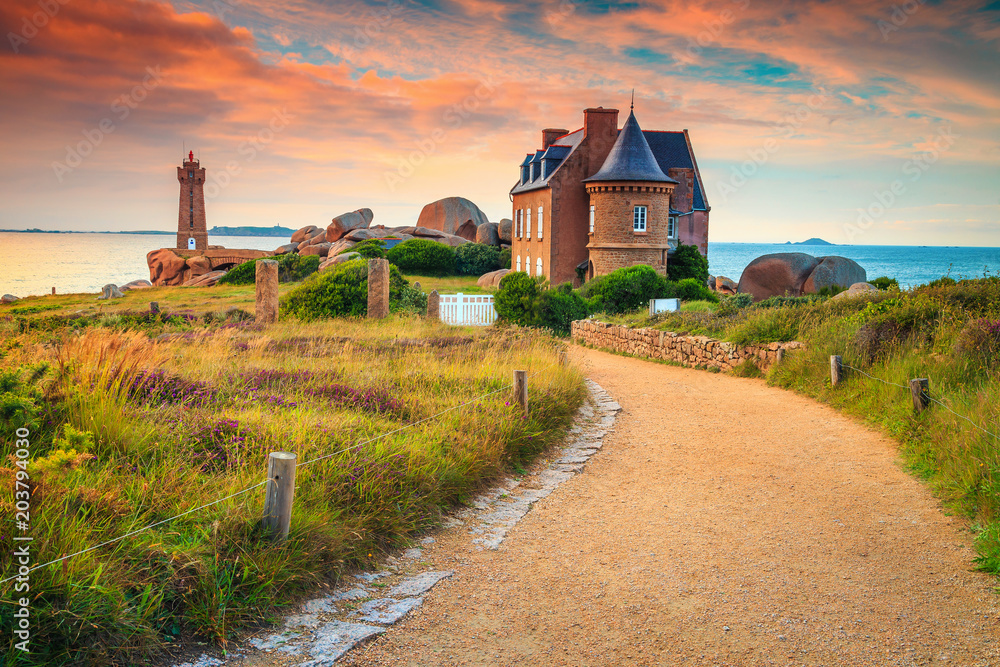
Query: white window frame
518, 263
538, 266
527, 264
592, 215
527, 226
639, 214
672, 227
540, 223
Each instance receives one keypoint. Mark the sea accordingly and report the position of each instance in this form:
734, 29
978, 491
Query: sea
34, 263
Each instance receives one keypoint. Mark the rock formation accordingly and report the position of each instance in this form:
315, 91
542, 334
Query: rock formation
505, 229
796, 273
305, 233
492, 279
110, 291
8, 298
136, 284
342, 224
487, 234
453, 215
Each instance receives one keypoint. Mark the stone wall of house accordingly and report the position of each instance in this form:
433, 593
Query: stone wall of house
669, 346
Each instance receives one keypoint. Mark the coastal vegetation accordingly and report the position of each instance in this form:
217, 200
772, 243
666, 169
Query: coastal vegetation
137, 417
947, 331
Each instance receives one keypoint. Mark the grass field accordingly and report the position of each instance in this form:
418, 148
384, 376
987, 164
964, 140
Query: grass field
134, 420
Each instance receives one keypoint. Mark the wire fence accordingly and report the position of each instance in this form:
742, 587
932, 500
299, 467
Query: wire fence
926, 395
358, 445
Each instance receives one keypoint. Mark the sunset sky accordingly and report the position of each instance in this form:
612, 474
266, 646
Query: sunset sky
801, 113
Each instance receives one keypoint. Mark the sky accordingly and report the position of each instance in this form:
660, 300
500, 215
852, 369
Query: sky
857, 122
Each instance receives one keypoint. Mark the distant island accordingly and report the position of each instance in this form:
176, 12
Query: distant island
214, 231
251, 231
812, 241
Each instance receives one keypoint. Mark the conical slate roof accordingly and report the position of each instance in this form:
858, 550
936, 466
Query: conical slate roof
630, 158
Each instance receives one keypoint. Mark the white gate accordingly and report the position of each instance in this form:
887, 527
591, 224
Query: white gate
467, 309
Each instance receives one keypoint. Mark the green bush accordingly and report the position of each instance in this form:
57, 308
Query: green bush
370, 249
626, 289
690, 289
732, 304
343, 291
556, 308
885, 283
515, 298
423, 257
475, 259
505, 257
688, 262
783, 301
292, 267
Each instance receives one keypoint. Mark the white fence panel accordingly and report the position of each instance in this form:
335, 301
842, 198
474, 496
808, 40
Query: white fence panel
663, 306
468, 309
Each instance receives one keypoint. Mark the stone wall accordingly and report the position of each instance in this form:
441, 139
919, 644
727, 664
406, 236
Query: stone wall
669, 346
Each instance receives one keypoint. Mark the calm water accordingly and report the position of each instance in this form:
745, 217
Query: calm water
34, 263
910, 265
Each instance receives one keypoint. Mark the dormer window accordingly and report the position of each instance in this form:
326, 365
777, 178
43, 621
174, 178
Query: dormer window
639, 219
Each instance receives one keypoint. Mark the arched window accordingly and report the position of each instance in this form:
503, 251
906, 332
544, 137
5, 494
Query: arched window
518, 262
538, 266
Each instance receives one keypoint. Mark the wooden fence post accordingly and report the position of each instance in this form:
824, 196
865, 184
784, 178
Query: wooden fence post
266, 281
378, 288
836, 370
434, 305
920, 392
280, 491
521, 389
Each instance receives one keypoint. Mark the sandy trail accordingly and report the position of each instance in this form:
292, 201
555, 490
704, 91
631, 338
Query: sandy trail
723, 523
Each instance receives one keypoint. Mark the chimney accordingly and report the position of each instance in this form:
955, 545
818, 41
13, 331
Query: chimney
551, 134
600, 121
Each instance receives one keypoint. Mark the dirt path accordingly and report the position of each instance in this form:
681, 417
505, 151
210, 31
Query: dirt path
723, 523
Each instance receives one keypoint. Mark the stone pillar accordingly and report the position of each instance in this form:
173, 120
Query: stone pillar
378, 288
434, 305
267, 291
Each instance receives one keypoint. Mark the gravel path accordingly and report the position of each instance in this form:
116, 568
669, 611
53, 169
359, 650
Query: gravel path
722, 523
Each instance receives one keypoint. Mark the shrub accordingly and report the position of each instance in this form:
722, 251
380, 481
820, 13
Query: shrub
785, 301
626, 289
343, 291
732, 304
423, 257
943, 281
475, 259
766, 326
372, 248
515, 298
292, 267
556, 308
688, 262
505, 256
830, 290
887, 323
690, 289
747, 369
979, 340
886, 283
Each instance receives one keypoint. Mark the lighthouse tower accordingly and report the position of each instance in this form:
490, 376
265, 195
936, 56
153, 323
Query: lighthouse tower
192, 234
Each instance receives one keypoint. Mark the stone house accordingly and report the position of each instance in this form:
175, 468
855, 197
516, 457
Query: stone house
601, 198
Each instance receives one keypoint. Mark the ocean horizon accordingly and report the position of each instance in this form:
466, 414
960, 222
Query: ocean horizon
32, 263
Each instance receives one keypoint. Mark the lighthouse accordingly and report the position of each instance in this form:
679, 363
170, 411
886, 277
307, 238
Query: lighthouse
192, 234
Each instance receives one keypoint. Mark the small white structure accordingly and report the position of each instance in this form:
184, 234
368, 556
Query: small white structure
468, 309
192, 245
663, 306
